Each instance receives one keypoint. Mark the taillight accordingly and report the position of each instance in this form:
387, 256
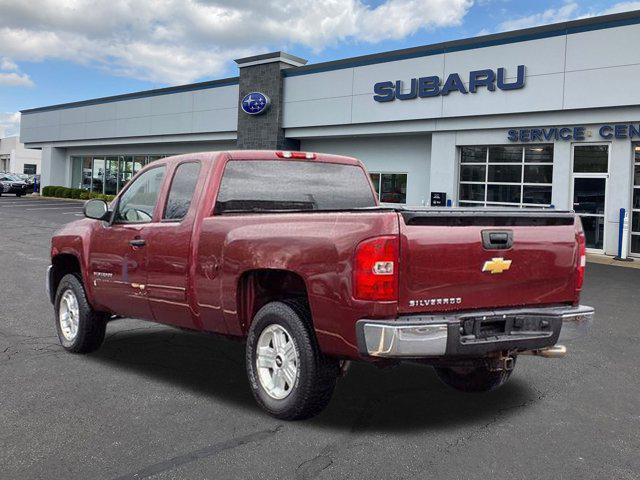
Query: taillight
582, 259
375, 269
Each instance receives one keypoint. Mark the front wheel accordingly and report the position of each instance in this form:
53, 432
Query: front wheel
80, 328
289, 377
473, 379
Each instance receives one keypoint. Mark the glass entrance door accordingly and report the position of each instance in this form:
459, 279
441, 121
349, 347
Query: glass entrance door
588, 201
590, 174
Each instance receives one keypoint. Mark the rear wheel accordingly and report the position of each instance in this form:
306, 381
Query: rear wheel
289, 377
473, 379
80, 328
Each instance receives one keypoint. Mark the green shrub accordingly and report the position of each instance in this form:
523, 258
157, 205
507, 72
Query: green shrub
64, 192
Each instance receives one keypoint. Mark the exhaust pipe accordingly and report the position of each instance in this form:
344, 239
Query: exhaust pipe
557, 351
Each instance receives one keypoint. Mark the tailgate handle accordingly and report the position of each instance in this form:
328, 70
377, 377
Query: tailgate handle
497, 239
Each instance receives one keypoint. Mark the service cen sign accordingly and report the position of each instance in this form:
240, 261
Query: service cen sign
425, 87
548, 134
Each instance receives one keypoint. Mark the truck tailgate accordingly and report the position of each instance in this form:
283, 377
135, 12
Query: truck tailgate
443, 255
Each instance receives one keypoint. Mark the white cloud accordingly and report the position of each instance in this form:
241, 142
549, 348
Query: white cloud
13, 79
621, 7
569, 11
551, 15
11, 76
9, 123
176, 41
6, 64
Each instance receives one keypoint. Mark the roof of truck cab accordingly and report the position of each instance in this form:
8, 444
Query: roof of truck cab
262, 155
271, 155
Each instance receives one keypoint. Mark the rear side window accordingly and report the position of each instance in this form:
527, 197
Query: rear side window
263, 186
181, 191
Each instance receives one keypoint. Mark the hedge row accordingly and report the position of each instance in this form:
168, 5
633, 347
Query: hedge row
64, 192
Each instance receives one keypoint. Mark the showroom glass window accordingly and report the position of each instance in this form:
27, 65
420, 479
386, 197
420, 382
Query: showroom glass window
390, 187
635, 205
107, 174
517, 176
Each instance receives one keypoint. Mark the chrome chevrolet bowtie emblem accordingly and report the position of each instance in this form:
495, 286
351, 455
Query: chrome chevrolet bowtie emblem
496, 265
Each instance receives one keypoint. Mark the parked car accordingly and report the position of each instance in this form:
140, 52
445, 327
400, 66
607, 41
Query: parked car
292, 252
13, 184
26, 178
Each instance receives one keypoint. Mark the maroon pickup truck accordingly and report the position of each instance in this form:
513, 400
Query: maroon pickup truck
293, 252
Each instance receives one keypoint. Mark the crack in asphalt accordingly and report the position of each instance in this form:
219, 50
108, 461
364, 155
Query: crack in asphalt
313, 467
206, 452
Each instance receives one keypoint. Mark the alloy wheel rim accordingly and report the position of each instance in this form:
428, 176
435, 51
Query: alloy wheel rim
69, 315
277, 362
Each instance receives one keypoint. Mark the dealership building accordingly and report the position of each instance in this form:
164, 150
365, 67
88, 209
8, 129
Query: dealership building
547, 116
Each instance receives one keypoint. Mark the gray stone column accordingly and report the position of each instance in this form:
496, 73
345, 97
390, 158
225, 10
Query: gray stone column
263, 73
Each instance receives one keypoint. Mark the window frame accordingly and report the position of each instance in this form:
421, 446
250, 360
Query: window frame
35, 168
522, 184
214, 209
377, 188
168, 193
128, 186
634, 163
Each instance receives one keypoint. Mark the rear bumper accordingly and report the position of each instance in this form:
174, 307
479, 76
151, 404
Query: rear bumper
472, 333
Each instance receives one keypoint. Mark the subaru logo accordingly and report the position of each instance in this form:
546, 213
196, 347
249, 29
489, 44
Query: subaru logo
255, 103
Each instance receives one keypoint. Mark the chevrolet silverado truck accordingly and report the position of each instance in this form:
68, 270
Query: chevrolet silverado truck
293, 253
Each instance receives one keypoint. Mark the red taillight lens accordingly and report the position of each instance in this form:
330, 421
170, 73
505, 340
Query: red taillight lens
582, 259
375, 269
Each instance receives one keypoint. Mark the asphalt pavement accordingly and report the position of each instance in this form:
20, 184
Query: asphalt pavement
160, 403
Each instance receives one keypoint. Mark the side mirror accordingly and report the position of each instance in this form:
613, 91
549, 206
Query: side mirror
97, 209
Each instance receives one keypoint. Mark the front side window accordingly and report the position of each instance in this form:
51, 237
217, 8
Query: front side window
280, 185
181, 191
390, 187
518, 176
138, 202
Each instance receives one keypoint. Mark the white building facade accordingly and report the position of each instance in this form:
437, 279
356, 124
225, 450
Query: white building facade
543, 117
15, 158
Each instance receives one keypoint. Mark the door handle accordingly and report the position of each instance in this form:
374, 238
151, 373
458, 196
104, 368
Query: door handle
138, 242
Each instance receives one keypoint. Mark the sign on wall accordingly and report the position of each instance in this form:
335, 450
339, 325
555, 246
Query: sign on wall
425, 87
579, 133
255, 103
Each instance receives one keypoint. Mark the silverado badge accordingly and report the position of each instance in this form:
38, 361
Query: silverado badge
496, 265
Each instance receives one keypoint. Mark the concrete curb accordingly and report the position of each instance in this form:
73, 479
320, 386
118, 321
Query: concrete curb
607, 260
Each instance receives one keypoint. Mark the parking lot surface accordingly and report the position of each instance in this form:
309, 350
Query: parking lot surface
156, 402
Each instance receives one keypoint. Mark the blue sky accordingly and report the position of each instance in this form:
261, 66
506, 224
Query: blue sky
56, 51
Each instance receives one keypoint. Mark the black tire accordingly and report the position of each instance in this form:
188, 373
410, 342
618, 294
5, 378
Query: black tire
18, 195
473, 379
91, 324
316, 373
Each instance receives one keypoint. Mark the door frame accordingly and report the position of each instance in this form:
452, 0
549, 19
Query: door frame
605, 176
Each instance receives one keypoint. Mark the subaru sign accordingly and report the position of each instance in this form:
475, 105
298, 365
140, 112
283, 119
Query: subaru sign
425, 87
255, 103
